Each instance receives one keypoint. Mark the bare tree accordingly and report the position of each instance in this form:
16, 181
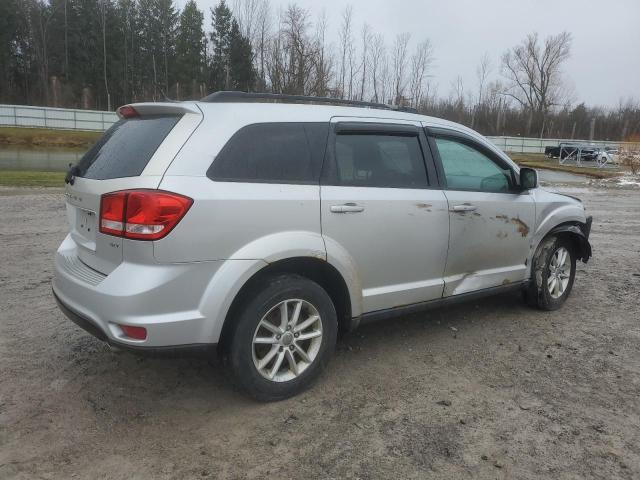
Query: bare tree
377, 57
247, 13
366, 39
293, 53
400, 48
534, 70
483, 70
429, 98
421, 60
262, 39
254, 18
322, 59
346, 39
456, 98
386, 85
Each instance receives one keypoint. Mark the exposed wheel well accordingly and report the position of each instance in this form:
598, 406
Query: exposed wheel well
574, 233
320, 271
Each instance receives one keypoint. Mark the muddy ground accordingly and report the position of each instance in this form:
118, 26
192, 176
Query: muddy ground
490, 389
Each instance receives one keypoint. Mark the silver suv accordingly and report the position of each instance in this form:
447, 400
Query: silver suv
266, 224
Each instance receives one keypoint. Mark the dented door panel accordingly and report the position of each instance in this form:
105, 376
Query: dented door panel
489, 245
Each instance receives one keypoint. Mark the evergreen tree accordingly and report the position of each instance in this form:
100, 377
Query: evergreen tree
85, 50
221, 20
9, 37
167, 24
128, 48
242, 73
189, 49
158, 22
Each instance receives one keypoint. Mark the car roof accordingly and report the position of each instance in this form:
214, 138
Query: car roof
294, 112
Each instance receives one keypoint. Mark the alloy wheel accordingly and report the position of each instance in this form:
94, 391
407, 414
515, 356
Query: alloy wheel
287, 340
559, 272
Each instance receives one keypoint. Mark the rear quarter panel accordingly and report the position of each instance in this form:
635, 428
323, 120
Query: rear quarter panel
235, 220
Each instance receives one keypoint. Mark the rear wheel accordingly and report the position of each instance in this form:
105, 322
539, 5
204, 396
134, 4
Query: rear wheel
282, 338
554, 271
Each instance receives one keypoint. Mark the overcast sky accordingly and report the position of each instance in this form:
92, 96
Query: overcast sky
604, 66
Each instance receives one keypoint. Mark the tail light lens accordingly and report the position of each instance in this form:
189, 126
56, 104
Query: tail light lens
112, 207
141, 214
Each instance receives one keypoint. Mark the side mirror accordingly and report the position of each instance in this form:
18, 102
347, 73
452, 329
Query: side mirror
528, 178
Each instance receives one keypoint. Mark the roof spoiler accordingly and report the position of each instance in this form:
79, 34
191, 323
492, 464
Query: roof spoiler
158, 108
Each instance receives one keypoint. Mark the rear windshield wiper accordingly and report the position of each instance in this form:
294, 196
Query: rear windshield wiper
72, 173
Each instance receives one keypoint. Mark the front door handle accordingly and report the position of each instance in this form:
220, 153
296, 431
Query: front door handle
347, 208
465, 207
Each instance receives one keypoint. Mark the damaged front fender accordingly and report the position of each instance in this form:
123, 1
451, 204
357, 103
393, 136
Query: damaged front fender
580, 235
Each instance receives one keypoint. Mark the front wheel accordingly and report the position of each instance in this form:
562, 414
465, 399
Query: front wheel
282, 338
554, 272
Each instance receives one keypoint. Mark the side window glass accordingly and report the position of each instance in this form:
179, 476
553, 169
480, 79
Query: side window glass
466, 168
271, 152
392, 161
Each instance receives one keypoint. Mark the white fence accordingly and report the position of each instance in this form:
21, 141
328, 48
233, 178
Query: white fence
537, 145
69, 119
58, 118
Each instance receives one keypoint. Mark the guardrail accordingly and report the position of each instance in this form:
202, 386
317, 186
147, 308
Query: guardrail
56, 118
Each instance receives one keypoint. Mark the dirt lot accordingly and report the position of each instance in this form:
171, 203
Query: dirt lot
491, 389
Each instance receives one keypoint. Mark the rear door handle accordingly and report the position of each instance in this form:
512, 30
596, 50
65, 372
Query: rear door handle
347, 208
466, 207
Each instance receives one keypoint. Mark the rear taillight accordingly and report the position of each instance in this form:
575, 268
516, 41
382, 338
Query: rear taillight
141, 214
112, 208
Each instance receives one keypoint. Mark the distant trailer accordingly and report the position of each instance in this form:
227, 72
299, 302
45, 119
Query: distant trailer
571, 150
579, 152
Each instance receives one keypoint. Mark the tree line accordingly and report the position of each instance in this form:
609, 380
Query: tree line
104, 53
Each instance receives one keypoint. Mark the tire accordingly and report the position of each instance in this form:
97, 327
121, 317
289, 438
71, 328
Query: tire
543, 292
251, 342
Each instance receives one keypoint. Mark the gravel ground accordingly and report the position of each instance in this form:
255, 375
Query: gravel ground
489, 389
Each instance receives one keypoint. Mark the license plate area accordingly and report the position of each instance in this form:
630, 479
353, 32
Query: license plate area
86, 224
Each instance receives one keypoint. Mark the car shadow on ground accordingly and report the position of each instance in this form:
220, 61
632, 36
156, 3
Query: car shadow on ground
107, 379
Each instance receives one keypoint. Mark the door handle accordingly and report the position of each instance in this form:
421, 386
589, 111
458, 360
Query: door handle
347, 208
465, 207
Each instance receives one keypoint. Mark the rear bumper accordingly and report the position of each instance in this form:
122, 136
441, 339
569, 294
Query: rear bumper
96, 331
165, 299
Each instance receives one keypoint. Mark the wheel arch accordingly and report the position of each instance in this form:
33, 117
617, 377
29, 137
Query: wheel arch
575, 231
320, 271
578, 234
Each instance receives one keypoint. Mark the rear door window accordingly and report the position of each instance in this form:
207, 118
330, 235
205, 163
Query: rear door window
391, 161
272, 152
125, 149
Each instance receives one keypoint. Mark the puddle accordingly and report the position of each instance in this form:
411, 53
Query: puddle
46, 159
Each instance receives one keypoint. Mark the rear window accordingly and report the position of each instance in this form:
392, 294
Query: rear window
388, 161
126, 148
272, 152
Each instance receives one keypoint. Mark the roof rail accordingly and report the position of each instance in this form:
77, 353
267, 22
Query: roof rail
242, 97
